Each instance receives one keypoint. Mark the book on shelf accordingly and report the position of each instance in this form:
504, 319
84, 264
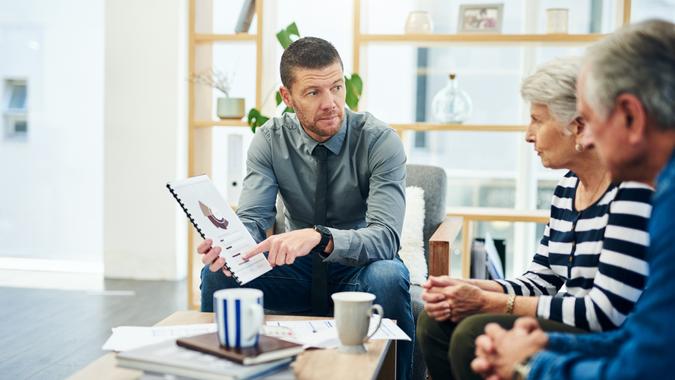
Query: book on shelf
169, 358
268, 348
245, 16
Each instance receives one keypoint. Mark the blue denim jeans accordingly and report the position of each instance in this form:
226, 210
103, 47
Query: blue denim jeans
287, 290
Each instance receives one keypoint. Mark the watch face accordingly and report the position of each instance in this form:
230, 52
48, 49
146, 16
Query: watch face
322, 230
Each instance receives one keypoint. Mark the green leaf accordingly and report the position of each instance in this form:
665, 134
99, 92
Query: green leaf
280, 100
293, 28
284, 35
351, 100
256, 119
354, 89
357, 83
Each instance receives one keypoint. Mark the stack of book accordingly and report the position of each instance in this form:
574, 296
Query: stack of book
202, 357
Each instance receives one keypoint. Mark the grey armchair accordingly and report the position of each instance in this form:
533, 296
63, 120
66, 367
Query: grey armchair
439, 234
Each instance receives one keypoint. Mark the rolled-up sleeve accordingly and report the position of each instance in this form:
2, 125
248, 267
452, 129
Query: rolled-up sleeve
257, 204
380, 239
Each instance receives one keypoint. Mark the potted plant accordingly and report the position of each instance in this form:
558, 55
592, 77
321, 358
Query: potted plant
227, 107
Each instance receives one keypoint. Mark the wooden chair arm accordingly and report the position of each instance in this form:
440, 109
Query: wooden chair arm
440, 245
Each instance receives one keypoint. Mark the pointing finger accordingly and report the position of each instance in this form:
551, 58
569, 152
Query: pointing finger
263, 246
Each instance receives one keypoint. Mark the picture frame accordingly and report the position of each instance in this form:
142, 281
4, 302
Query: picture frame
480, 18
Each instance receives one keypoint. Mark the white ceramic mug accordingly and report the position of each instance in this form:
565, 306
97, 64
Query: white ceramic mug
239, 316
352, 318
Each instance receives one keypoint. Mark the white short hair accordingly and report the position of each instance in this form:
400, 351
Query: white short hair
554, 85
638, 59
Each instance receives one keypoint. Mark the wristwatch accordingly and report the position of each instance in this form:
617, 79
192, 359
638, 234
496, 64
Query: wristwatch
521, 370
325, 239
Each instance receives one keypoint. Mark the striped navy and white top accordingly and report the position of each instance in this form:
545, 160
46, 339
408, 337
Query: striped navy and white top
590, 267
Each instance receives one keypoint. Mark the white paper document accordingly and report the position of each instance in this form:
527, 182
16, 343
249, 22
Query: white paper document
215, 220
126, 338
323, 333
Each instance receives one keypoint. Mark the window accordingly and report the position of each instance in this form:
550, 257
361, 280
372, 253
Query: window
15, 109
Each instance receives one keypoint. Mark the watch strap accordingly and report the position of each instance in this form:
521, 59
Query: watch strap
325, 239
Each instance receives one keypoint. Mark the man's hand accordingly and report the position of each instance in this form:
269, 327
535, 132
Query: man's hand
285, 248
210, 257
499, 350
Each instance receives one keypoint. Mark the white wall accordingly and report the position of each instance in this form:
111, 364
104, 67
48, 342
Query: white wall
145, 138
51, 183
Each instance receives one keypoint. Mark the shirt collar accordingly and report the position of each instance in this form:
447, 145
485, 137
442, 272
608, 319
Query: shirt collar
334, 144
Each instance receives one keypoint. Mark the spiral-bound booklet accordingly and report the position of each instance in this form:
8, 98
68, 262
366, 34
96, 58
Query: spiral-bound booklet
214, 219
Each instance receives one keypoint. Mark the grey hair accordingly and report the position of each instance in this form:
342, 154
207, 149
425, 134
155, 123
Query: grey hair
554, 84
638, 59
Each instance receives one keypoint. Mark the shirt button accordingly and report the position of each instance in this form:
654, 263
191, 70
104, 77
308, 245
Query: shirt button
570, 259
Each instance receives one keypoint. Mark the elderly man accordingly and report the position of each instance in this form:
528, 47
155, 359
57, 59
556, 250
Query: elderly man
341, 176
626, 94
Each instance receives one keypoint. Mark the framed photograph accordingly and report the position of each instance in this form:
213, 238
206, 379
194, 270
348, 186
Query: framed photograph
480, 18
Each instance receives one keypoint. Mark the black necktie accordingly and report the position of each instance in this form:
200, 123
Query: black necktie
319, 273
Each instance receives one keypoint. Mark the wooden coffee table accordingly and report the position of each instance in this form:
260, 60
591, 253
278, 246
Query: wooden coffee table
378, 363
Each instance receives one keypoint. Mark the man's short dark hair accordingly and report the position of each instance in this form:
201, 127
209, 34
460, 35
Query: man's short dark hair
307, 53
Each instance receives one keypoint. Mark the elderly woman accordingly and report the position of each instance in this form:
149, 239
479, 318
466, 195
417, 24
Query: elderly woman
589, 268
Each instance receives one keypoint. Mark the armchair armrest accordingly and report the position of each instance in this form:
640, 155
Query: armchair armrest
440, 245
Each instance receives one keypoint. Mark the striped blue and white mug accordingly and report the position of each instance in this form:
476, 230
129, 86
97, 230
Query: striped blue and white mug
239, 316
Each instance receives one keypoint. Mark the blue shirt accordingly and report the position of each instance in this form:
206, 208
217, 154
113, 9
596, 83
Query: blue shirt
366, 185
644, 347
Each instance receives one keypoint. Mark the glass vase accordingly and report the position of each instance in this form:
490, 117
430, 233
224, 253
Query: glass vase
451, 104
419, 22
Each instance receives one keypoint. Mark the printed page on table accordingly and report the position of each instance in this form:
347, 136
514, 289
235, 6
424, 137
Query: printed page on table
216, 220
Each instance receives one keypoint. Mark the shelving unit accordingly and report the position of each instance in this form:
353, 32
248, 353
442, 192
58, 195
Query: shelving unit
420, 127
200, 106
470, 215
421, 39
241, 37
220, 123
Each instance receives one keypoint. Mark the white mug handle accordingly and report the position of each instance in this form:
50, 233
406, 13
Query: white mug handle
380, 314
257, 315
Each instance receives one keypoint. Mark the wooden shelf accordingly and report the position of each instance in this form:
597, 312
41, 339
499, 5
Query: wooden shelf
241, 37
220, 123
486, 214
458, 127
480, 38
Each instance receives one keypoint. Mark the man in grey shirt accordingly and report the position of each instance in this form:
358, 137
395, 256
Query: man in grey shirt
341, 176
